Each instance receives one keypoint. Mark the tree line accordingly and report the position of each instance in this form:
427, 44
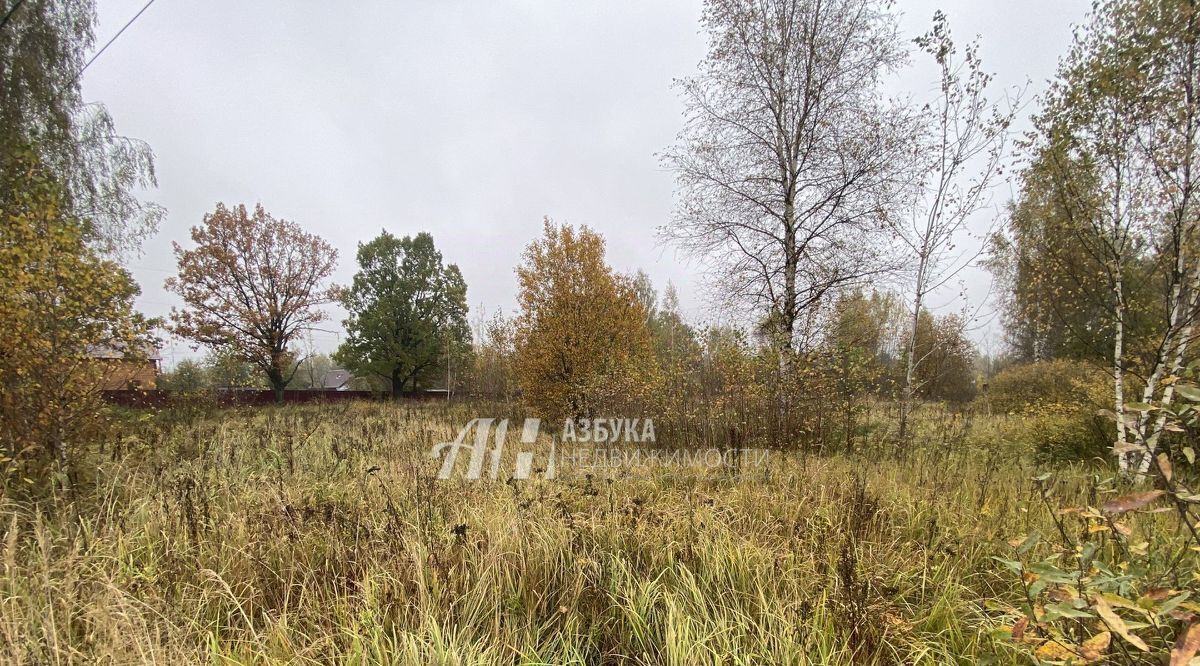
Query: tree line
827, 216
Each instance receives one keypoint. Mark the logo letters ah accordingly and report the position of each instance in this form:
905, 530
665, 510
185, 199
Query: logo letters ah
480, 453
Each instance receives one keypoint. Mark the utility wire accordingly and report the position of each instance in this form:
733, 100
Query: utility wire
9, 13
109, 42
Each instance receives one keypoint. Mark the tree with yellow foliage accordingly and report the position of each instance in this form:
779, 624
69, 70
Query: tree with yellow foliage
582, 343
58, 301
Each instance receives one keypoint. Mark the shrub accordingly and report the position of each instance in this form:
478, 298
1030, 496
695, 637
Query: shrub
1068, 437
1057, 402
1058, 386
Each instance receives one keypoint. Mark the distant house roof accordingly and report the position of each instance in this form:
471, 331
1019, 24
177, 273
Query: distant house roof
150, 352
336, 379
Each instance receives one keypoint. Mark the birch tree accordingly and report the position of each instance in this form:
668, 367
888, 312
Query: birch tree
961, 148
1117, 140
1165, 36
44, 47
59, 300
788, 160
1090, 125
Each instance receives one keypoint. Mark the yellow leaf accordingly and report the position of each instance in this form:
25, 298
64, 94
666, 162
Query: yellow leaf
1186, 646
1054, 651
1093, 649
1115, 623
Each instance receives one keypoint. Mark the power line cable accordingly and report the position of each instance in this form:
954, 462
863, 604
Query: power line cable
109, 42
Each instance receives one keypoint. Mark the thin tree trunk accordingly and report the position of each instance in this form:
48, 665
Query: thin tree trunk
1185, 289
1118, 360
910, 363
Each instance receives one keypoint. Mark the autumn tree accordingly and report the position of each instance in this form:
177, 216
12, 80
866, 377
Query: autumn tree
1116, 146
1053, 297
252, 285
790, 158
581, 333
1166, 33
493, 374
407, 313
734, 396
1056, 273
59, 300
948, 359
959, 153
864, 334
678, 353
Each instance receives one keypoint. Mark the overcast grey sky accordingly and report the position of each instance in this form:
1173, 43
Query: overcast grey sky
469, 120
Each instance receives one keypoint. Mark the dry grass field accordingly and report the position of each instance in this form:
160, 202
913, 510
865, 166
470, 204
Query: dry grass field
320, 535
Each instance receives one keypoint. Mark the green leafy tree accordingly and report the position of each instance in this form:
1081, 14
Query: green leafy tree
407, 313
224, 368
187, 376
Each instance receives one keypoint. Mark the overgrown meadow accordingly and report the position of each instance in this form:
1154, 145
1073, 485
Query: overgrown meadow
320, 535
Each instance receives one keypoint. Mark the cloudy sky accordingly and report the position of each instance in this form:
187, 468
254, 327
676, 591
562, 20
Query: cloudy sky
470, 120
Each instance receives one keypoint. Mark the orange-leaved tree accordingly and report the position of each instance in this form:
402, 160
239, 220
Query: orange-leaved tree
582, 342
252, 284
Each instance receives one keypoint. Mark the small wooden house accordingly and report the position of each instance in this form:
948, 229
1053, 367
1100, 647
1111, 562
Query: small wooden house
124, 372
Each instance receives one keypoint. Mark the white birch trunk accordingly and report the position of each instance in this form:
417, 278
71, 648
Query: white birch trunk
1123, 459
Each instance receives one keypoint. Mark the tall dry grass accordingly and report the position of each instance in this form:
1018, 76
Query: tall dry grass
319, 535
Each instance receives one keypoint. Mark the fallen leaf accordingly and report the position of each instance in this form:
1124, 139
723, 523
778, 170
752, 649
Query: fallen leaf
1054, 651
1127, 447
1182, 615
1059, 594
1164, 465
1018, 630
1093, 649
1130, 502
1186, 646
1158, 593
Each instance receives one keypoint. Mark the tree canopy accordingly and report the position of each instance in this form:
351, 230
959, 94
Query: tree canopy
43, 49
407, 312
59, 301
581, 330
253, 283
